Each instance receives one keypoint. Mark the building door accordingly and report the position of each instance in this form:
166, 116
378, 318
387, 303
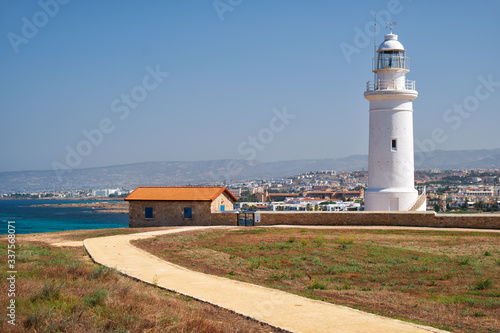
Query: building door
394, 204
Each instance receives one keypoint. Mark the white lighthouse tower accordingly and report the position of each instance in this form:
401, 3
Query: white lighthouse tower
390, 159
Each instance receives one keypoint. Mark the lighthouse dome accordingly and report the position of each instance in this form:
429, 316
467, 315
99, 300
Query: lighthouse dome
391, 43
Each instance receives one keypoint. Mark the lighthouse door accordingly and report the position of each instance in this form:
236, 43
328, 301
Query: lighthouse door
394, 204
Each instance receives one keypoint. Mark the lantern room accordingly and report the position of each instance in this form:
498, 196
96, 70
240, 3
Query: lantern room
390, 66
391, 54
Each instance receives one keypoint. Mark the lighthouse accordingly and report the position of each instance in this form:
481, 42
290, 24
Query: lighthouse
391, 184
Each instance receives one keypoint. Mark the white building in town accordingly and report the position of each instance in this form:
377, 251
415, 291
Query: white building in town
107, 192
391, 185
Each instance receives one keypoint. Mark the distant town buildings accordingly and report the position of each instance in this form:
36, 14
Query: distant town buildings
74, 194
446, 191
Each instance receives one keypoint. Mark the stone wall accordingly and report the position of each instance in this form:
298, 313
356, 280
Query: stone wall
347, 218
419, 219
172, 214
480, 221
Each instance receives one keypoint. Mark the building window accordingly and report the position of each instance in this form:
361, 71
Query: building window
148, 212
394, 145
222, 208
188, 212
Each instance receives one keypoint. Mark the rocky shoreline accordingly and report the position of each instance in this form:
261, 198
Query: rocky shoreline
117, 207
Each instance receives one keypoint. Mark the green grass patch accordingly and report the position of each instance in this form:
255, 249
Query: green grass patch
484, 284
50, 291
317, 284
98, 297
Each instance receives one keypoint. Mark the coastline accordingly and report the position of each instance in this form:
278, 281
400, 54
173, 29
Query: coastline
118, 207
65, 198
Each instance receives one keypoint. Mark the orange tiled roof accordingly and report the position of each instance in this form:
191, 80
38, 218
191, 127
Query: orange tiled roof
284, 194
184, 193
310, 199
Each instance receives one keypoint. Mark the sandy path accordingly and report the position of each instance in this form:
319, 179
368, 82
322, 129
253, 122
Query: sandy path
277, 308
68, 243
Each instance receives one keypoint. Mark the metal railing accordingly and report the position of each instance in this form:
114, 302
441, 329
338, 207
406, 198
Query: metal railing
421, 200
421, 189
390, 85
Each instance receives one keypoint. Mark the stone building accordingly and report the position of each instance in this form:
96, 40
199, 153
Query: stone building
175, 206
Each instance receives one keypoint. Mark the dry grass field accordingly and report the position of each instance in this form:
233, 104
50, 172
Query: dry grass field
61, 290
446, 279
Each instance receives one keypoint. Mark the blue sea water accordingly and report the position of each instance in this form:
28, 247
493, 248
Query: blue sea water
47, 219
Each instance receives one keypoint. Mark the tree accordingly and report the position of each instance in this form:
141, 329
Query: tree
480, 205
437, 208
465, 206
494, 207
247, 197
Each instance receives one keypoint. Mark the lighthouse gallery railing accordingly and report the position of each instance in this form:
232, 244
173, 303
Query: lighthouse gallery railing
390, 85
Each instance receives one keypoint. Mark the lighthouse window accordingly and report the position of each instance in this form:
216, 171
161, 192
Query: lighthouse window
394, 145
391, 59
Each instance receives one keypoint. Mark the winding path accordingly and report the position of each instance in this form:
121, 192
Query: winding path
276, 308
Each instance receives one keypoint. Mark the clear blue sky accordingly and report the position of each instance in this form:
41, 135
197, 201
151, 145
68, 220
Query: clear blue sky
229, 67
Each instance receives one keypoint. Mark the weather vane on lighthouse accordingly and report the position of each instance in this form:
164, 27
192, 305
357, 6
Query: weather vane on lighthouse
391, 25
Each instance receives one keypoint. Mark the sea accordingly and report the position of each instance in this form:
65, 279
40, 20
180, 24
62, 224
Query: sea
28, 220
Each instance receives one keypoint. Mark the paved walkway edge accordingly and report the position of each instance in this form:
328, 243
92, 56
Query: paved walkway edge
266, 305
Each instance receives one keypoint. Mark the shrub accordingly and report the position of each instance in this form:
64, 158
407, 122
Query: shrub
483, 284
277, 276
479, 314
347, 285
100, 271
274, 265
316, 284
319, 240
346, 241
97, 298
304, 242
49, 292
464, 261
317, 261
254, 263
38, 318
